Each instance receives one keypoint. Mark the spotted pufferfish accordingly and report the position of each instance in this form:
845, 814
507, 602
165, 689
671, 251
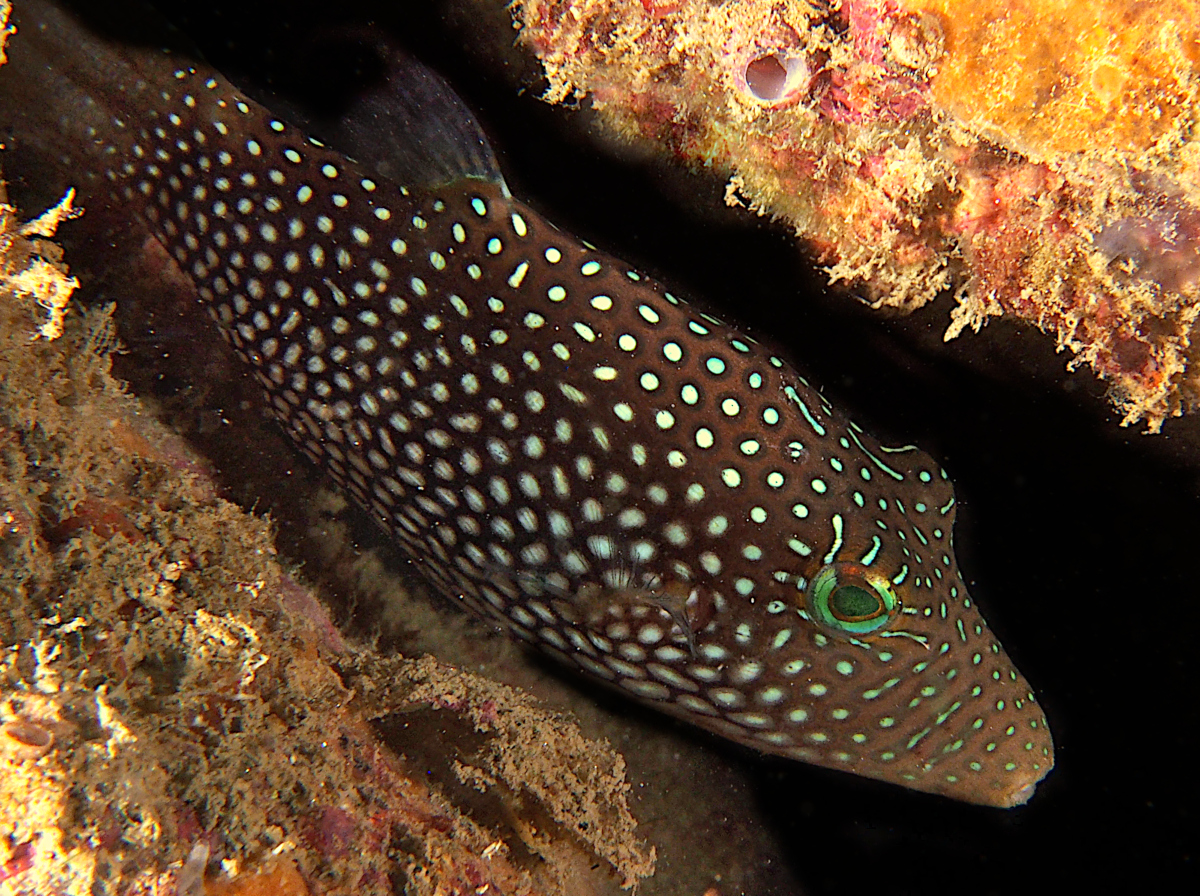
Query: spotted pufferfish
560, 444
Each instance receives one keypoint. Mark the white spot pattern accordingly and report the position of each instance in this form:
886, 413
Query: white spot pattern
632, 483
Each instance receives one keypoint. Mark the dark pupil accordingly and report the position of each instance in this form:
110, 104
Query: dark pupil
852, 602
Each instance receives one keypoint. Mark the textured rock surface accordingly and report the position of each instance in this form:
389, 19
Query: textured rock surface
1037, 160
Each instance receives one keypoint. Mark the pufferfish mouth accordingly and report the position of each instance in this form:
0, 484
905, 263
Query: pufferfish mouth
973, 733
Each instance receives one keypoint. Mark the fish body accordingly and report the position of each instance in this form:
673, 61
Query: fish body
562, 444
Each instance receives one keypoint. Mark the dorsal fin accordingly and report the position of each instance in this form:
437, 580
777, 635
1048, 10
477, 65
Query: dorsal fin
411, 127
380, 105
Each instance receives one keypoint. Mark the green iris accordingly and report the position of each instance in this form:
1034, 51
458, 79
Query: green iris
846, 602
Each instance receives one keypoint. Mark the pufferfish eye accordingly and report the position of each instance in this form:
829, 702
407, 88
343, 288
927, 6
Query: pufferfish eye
850, 602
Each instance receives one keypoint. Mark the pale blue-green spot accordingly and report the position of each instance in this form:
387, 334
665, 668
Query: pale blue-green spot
791, 393
916, 738
949, 712
517, 277
836, 521
880, 464
572, 393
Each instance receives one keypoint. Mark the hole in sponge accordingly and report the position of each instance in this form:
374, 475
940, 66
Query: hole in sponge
767, 77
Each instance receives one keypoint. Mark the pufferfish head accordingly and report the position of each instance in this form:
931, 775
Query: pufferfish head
863, 650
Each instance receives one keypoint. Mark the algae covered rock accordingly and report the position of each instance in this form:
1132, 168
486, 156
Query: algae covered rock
1038, 160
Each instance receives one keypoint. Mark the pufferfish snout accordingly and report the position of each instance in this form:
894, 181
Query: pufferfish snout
561, 444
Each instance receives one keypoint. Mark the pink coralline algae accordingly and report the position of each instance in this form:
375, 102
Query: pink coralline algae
1034, 160
881, 76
